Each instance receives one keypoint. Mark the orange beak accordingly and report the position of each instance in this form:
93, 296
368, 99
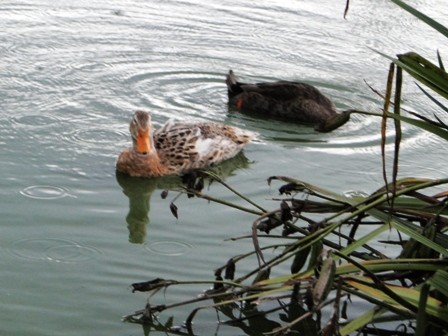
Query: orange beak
143, 145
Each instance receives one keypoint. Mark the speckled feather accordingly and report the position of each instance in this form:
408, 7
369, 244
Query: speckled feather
181, 146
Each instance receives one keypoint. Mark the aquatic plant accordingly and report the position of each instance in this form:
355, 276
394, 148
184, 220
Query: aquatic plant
331, 244
332, 260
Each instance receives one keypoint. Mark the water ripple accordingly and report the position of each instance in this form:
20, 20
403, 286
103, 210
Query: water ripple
98, 136
180, 94
168, 248
97, 140
33, 120
45, 192
53, 249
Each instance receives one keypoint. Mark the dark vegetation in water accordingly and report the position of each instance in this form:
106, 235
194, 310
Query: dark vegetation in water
340, 282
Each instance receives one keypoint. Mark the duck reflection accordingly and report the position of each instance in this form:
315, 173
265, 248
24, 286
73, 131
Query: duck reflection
139, 191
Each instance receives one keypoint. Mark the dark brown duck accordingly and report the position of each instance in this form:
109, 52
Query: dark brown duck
293, 101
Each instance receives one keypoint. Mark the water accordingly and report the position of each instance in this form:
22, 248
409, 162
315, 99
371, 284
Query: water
73, 72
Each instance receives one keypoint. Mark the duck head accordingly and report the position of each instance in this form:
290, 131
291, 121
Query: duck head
335, 121
140, 128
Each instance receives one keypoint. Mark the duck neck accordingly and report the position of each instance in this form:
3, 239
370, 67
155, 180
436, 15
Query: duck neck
335, 121
154, 166
147, 154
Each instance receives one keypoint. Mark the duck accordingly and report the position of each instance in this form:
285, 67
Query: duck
178, 147
285, 100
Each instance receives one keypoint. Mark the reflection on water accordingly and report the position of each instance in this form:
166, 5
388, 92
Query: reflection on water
258, 323
139, 192
248, 318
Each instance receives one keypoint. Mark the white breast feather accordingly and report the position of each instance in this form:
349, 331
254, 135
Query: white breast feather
226, 148
204, 146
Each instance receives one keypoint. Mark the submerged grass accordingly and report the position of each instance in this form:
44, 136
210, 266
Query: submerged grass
330, 244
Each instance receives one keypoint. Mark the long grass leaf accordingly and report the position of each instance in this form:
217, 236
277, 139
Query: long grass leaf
400, 226
359, 242
424, 70
398, 133
361, 321
423, 125
434, 24
422, 322
424, 73
440, 282
437, 123
383, 265
436, 130
433, 306
390, 78
439, 58
441, 123
437, 102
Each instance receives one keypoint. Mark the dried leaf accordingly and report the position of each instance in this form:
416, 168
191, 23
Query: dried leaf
344, 310
287, 230
287, 188
218, 285
150, 285
324, 284
173, 209
316, 251
230, 270
164, 194
309, 299
199, 184
300, 259
347, 5
286, 212
262, 275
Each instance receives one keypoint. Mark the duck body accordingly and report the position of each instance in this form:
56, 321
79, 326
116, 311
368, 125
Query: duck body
285, 100
178, 147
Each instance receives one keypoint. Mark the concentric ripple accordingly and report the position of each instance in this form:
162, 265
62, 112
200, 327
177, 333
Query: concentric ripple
45, 192
168, 248
98, 136
72, 253
182, 94
34, 120
52, 249
98, 139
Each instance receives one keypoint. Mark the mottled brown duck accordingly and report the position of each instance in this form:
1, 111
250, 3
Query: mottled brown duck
178, 147
285, 100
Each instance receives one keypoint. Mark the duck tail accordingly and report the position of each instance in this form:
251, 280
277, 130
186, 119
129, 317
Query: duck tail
233, 86
231, 79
